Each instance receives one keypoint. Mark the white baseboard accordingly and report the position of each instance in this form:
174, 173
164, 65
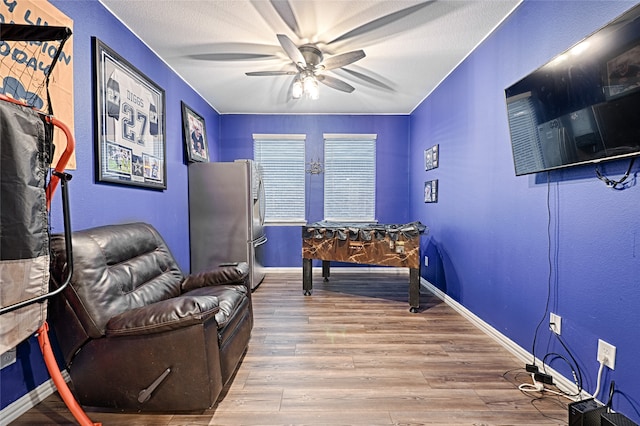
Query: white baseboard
562, 382
30, 400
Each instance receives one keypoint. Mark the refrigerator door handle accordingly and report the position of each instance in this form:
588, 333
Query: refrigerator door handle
260, 241
261, 200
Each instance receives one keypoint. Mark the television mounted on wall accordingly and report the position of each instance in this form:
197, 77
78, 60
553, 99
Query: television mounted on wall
583, 106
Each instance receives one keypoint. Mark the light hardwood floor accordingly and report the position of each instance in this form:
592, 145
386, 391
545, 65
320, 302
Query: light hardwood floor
353, 354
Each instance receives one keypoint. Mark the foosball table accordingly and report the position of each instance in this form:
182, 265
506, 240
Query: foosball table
395, 245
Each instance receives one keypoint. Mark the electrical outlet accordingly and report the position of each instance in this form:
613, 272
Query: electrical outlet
607, 354
426, 261
555, 323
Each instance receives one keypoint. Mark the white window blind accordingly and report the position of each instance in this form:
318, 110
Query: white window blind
350, 177
282, 159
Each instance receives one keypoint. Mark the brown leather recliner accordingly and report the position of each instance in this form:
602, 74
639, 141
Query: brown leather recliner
135, 333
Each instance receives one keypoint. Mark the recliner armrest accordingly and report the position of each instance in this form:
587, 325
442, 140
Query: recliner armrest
223, 275
170, 314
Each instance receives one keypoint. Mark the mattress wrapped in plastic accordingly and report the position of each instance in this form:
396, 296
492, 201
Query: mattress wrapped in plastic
24, 230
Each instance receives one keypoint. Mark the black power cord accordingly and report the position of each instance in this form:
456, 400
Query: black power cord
572, 363
550, 276
576, 368
614, 183
575, 371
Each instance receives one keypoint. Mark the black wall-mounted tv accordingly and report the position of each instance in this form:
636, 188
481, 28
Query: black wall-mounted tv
583, 106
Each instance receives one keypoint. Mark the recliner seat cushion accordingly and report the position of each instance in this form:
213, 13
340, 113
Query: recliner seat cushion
193, 307
162, 316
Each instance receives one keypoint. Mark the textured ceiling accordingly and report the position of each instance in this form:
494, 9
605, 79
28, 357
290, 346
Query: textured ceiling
211, 44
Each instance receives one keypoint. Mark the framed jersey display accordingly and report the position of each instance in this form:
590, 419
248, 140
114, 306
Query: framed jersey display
130, 123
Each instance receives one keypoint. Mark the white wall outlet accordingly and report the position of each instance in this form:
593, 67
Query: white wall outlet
607, 354
555, 323
426, 261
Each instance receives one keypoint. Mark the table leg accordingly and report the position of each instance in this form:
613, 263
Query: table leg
325, 269
414, 289
307, 276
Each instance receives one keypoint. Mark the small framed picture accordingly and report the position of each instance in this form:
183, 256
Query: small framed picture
431, 157
195, 135
431, 191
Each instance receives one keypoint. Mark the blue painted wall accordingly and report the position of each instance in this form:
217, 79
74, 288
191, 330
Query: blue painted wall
284, 247
94, 204
489, 240
493, 245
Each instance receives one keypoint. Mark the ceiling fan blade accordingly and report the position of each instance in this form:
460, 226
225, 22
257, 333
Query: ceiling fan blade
381, 22
368, 79
231, 52
232, 56
269, 73
335, 83
343, 59
292, 50
283, 8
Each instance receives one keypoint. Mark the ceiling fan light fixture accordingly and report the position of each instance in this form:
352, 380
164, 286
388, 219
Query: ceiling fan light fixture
314, 92
310, 85
296, 89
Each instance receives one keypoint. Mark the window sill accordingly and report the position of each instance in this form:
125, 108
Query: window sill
286, 223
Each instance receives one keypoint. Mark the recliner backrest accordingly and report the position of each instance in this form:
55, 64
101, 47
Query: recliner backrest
115, 268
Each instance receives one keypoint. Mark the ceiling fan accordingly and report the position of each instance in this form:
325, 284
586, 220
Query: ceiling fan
310, 63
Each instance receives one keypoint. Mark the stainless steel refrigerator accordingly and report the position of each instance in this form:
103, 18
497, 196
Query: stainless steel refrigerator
226, 216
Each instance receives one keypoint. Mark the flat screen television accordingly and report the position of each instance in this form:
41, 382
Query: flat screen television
583, 106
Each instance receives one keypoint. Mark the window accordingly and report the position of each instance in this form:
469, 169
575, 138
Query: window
526, 147
350, 178
281, 158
